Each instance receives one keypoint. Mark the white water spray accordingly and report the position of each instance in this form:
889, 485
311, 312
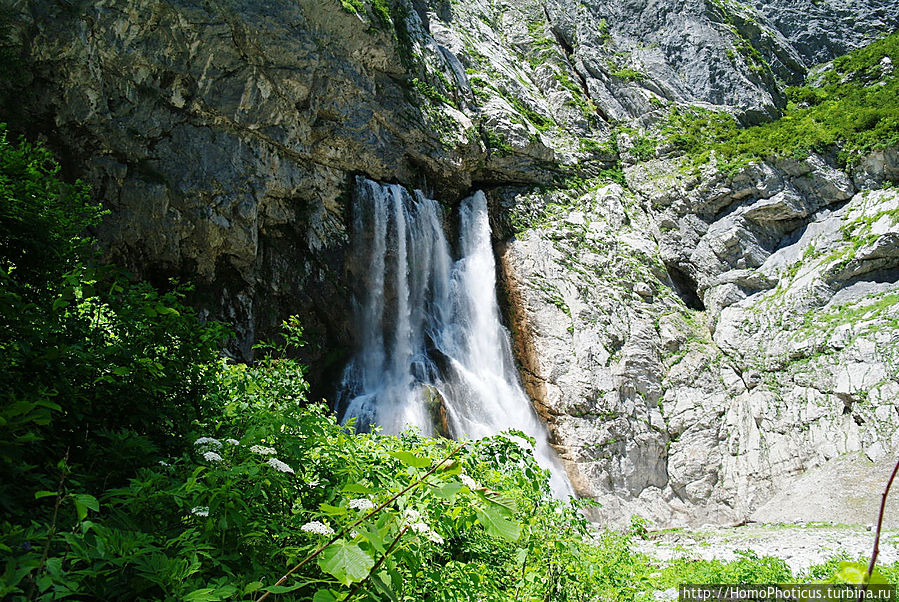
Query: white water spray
433, 352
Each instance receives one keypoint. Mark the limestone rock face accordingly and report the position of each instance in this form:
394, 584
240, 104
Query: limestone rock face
695, 339
821, 31
785, 362
223, 138
686, 51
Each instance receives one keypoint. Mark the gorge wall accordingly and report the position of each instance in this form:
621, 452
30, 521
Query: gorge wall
695, 338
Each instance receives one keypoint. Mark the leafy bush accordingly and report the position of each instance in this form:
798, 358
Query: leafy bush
90, 360
405, 518
97, 374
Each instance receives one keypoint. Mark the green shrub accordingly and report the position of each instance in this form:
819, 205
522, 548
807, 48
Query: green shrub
748, 568
96, 373
280, 479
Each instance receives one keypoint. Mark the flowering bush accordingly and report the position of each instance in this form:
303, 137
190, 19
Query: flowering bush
394, 518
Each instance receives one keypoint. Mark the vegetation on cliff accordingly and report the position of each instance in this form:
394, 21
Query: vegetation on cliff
849, 106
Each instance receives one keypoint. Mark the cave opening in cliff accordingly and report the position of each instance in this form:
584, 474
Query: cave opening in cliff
685, 287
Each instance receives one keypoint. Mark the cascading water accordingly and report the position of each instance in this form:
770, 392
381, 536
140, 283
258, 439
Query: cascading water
433, 352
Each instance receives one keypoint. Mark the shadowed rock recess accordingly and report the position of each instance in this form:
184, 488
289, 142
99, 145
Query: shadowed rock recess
696, 338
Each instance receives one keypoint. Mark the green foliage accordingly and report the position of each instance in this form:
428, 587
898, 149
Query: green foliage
742, 45
428, 91
754, 59
89, 361
496, 143
854, 110
41, 217
749, 568
352, 6
381, 9
644, 146
579, 98
603, 28
588, 145
864, 64
692, 130
231, 515
539, 121
852, 118
392, 14
638, 526
627, 73
98, 375
614, 174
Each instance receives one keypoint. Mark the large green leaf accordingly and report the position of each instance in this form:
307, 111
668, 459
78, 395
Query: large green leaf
85, 502
411, 459
357, 488
346, 562
497, 525
209, 594
284, 589
376, 535
382, 583
502, 504
856, 573
852, 572
324, 595
332, 510
448, 491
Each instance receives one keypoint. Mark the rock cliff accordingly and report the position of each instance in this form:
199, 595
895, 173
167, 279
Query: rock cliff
691, 374
695, 337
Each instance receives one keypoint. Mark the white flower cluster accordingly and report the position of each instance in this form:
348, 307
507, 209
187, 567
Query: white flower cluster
361, 504
200, 511
317, 527
208, 442
468, 481
279, 465
232, 441
211, 456
411, 515
420, 527
263, 450
424, 529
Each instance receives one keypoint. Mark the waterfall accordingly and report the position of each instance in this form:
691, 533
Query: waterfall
433, 352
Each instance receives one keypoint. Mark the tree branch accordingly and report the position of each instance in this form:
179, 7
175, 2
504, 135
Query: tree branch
321, 548
876, 550
379, 563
